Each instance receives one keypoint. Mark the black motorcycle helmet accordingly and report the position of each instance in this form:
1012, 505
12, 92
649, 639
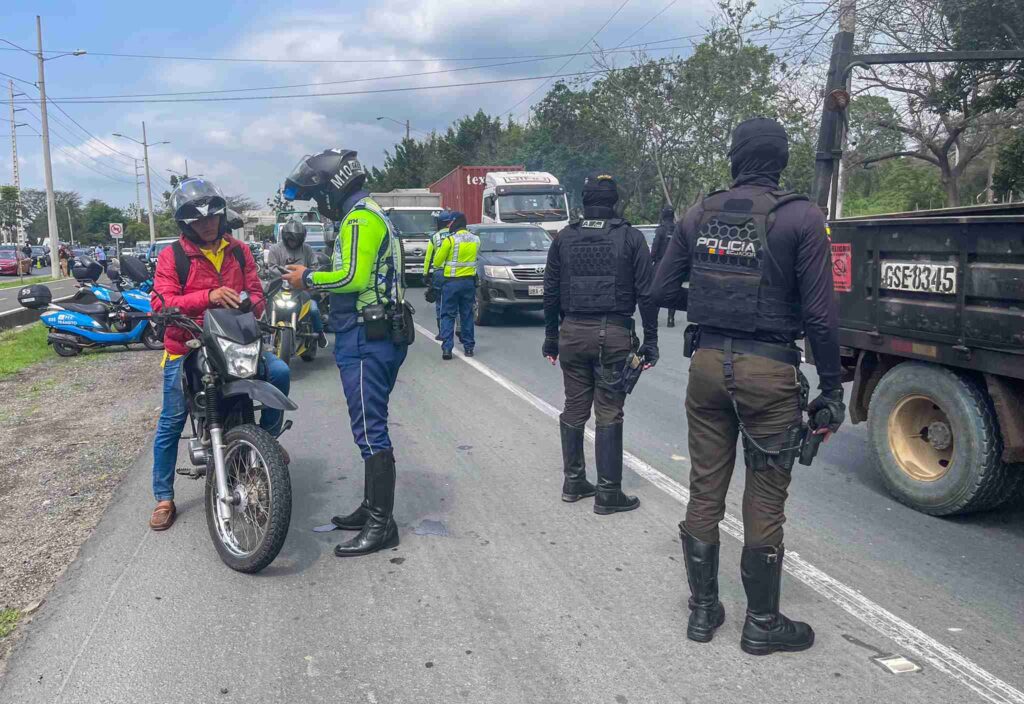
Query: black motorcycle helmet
196, 198
293, 233
327, 178
234, 220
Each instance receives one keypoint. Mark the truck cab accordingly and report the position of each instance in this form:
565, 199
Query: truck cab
525, 197
413, 212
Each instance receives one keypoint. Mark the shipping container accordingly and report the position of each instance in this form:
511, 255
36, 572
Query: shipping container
462, 188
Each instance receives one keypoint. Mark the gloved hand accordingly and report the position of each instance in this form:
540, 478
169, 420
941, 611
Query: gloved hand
831, 401
550, 347
649, 351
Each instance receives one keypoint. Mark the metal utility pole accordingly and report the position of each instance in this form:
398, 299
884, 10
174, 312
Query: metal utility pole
149, 186
408, 125
51, 200
19, 227
71, 228
138, 196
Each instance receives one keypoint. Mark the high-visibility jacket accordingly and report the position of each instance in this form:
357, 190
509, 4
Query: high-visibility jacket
432, 246
457, 254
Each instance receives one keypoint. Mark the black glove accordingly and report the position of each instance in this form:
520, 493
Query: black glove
550, 347
649, 351
831, 401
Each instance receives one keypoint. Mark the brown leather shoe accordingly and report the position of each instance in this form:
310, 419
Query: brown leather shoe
163, 516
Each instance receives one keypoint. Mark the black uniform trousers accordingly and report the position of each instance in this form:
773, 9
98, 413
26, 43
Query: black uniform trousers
768, 397
578, 354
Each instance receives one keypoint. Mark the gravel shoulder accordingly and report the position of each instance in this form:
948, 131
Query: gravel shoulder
70, 428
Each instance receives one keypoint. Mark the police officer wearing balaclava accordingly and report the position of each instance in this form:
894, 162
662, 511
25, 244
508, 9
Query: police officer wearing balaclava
598, 270
662, 234
759, 266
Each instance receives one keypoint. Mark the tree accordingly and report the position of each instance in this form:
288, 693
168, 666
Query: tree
96, 219
1008, 179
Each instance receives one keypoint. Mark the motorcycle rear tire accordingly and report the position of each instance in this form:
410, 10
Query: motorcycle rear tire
280, 503
150, 340
284, 345
309, 354
65, 350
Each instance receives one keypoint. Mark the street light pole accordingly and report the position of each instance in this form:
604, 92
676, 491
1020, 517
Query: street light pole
51, 200
149, 187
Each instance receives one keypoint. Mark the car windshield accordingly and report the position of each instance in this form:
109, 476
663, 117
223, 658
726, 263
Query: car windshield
413, 222
36, 249
648, 231
514, 239
523, 207
7, 253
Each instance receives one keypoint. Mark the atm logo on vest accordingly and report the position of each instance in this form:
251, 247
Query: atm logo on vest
723, 247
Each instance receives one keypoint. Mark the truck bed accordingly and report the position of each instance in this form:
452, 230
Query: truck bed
944, 286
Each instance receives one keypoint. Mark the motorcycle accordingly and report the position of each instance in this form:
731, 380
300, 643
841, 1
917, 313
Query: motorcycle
125, 295
248, 487
75, 326
288, 314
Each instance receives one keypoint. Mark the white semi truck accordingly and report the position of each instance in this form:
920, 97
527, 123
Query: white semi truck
525, 196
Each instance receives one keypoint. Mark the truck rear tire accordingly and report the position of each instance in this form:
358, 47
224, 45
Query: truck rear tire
937, 442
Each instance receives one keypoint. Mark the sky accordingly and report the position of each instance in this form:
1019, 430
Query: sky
248, 147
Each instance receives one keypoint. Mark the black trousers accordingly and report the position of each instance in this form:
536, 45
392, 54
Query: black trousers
578, 354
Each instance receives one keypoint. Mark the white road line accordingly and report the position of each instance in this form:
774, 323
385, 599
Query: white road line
939, 656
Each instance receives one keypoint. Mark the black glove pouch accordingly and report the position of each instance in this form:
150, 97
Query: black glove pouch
377, 323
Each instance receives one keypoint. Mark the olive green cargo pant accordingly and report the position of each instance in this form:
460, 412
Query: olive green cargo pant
768, 396
578, 353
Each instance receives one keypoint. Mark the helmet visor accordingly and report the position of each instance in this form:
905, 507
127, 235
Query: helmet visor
195, 198
303, 176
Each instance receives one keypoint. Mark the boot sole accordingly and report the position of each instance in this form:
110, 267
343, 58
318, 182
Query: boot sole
608, 510
702, 636
390, 543
757, 648
573, 498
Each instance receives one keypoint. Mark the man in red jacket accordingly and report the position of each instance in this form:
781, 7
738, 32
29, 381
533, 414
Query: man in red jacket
218, 269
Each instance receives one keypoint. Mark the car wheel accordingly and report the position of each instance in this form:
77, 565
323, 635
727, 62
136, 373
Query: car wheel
481, 310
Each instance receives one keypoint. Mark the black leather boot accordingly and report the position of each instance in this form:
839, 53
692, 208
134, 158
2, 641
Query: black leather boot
608, 453
357, 519
574, 465
706, 611
766, 630
380, 530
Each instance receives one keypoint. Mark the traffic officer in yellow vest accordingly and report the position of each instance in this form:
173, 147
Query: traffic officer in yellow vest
456, 258
431, 276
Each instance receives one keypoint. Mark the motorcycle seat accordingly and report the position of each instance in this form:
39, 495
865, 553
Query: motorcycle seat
86, 308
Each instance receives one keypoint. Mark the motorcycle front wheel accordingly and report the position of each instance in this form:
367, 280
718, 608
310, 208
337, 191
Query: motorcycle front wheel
259, 482
150, 339
284, 344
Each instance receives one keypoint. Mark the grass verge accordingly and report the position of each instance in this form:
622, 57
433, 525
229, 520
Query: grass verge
14, 283
20, 348
8, 620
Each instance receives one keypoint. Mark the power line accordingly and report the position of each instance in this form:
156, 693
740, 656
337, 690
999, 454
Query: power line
337, 61
71, 156
69, 139
644, 25
404, 89
15, 78
567, 61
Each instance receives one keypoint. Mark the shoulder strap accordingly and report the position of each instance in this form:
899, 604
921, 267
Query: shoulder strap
239, 257
182, 264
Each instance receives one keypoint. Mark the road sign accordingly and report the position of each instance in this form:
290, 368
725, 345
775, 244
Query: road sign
116, 230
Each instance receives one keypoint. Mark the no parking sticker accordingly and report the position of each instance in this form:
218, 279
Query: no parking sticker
842, 267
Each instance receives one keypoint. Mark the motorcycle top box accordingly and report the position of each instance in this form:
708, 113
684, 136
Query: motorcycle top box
35, 297
89, 270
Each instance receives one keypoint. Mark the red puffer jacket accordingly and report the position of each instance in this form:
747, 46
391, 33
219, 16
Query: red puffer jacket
203, 277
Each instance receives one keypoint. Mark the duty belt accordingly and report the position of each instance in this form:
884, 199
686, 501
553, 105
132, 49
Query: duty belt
622, 321
780, 353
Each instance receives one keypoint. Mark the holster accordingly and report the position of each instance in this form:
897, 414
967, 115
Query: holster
691, 340
788, 445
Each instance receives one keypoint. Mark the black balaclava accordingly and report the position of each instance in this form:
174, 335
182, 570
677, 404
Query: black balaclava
760, 150
668, 214
600, 194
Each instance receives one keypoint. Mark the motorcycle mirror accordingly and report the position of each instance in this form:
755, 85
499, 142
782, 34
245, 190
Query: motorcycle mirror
323, 261
193, 344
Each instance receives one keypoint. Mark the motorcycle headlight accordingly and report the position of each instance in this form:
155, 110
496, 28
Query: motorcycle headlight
241, 359
497, 272
286, 303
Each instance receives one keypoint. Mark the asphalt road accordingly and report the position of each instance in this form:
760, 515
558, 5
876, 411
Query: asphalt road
499, 592
9, 296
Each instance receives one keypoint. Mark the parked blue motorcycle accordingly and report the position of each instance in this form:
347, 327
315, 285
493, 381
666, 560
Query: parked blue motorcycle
122, 320
125, 295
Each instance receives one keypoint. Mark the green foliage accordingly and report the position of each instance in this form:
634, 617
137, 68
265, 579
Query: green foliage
264, 232
8, 621
902, 185
1009, 176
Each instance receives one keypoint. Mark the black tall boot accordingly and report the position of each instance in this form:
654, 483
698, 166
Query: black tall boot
574, 465
357, 519
706, 611
766, 630
380, 530
608, 453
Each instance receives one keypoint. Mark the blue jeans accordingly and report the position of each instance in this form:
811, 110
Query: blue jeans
175, 411
369, 371
315, 317
457, 297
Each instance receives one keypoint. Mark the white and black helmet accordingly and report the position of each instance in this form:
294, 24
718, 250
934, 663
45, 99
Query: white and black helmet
194, 199
327, 178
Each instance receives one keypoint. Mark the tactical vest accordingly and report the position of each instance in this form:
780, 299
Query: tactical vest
729, 281
597, 276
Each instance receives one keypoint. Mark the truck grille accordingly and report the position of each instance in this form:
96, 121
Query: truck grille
528, 273
415, 248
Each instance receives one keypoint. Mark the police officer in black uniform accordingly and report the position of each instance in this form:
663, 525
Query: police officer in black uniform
758, 261
662, 234
598, 270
